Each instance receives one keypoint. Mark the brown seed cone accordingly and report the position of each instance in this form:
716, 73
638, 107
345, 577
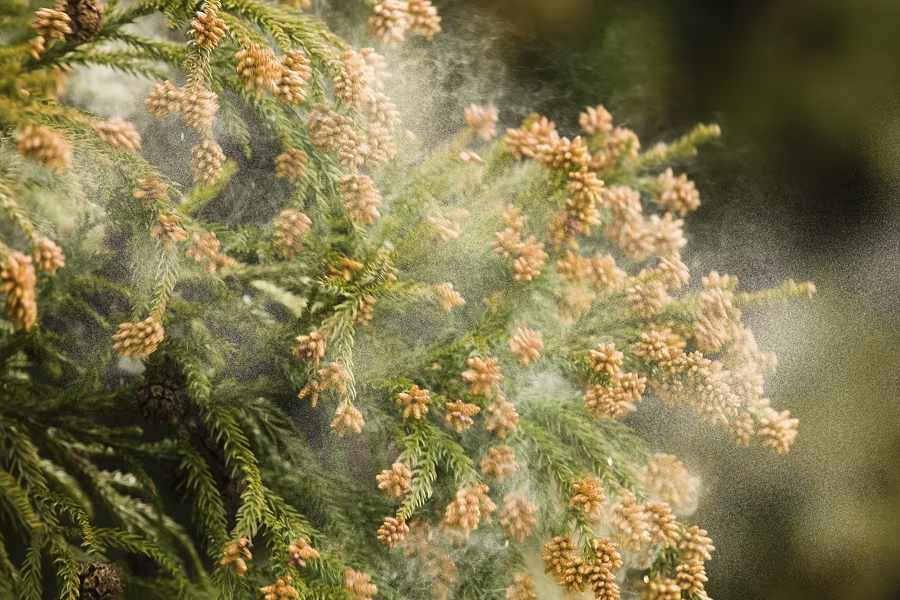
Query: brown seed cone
52, 24
601, 573
200, 107
161, 398
390, 20
691, 576
502, 418
516, 516
526, 346
659, 588
290, 229
207, 30
395, 481
282, 589
695, 545
258, 68
392, 531
499, 463
86, 18
45, 146
291, 165
47, 256
347, 417
424, 19
164, 99
138, 339
300, 551
359, 584
236, 555
207, 161
415, 402
99, 581
588, 496
168, 230
459, 414
483, 376
294, 77
521, 588
150, 190
361, 199
18, 279
118, 133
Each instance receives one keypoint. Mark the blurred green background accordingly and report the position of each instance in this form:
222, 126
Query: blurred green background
803, 185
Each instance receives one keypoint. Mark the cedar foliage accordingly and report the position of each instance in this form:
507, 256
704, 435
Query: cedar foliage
190, 468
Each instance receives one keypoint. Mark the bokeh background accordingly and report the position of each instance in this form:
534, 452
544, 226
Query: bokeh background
804, 184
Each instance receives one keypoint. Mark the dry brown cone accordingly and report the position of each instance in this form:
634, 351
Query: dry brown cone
350, 83
310, 347
299, 552
168, 230
118, 133
691, 576
521, 588
471, 507
52, 24
150, 190
606, 361
86, 16
361, 199
205, 250
258, 68
99, 581
164, 99
290, 229
459, 414
526, 346
663, 529
424, 18
777, 430
282, 589
291, 165
483, 119
678, 195
390, 20
659, 588
347, 417
601, 572
47, 256
45, 146
588, 496
326, 127
236, 555
139, 339
207, 161
695, 545
294, 77
562, 559
366, 309
18, 279
631, 521
359, 584
200, 107
483, 376
395, 481
499, 463
447, 296
392, 531
207, 29
502, 418
595, 121
516, 516
667, 479
415, 402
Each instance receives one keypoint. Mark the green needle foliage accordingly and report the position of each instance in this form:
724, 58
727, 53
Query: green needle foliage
405, 379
